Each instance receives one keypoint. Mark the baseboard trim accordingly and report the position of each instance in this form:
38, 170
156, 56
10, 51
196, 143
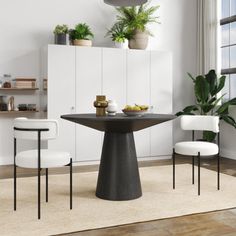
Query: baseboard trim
228, 154
4, 161
140, 159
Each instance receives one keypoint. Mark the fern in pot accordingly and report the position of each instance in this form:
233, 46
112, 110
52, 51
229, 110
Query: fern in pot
119, 35
61, 34
208, 102
136, 20
81, 35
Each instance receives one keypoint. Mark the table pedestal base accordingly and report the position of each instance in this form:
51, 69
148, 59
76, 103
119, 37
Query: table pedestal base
118, 177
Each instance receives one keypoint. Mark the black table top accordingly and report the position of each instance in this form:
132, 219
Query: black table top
119, 123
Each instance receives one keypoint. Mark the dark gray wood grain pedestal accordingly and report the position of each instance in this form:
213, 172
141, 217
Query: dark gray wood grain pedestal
118, 177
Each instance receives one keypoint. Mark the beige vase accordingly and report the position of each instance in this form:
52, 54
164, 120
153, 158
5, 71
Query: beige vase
139, 40
83, 42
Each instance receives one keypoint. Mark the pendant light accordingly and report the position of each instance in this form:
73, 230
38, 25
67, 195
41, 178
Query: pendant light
125, 3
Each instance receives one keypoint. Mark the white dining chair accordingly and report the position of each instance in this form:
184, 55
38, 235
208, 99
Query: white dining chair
38, 130
198, 148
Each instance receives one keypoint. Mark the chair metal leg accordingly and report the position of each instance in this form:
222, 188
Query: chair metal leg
218, 171
46, 184
199, 163
39, 193
71, 183
14, 187
173, 160
193, 170
15, 149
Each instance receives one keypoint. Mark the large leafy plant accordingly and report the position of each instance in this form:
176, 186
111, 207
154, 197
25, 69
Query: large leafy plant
137, 18
208, 101
81, 31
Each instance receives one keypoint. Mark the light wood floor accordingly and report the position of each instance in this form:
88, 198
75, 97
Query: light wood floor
221, 223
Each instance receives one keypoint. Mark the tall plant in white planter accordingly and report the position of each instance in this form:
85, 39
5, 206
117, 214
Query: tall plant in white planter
136, 19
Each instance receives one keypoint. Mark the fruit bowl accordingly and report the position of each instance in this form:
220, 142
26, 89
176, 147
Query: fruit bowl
137, 110
134, 113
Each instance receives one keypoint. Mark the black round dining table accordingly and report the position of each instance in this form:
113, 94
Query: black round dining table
118, 177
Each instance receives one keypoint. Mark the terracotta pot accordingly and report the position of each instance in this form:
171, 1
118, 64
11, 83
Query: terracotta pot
83, 42
139, 40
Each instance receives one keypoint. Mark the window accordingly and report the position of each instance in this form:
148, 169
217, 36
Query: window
228, 46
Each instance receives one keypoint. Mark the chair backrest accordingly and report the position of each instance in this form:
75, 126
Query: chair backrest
24, 123
208, 123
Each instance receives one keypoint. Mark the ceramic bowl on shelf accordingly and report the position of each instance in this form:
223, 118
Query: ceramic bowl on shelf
22, 107
31, 107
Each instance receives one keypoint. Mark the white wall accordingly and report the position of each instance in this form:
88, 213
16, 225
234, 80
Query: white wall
228, 137
178, 33
27, 25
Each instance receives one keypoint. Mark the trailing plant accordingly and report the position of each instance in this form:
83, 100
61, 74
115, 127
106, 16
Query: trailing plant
208, 101
81, 31
137, 17
61, 29
117, 33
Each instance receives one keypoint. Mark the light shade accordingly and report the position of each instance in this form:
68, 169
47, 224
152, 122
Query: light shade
125, 3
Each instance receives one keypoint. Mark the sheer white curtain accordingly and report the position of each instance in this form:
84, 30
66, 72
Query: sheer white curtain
208, 56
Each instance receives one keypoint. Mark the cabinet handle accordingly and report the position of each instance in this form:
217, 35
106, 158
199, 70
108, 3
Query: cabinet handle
72, 108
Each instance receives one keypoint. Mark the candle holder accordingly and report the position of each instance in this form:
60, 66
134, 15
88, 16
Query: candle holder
101, 105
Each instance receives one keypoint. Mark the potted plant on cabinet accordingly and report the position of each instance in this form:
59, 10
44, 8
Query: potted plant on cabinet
81, 35
118, 35
136, 19
208, 101
61, 34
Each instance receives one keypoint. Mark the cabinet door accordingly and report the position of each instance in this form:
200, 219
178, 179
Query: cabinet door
114, 75
88, 85
161, 99
138, 91
61, 94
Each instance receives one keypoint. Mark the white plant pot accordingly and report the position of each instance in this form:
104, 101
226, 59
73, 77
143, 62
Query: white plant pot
121, 45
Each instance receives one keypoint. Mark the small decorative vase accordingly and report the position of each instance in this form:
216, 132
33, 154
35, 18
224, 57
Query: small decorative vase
112, 108
10, 106
101, 105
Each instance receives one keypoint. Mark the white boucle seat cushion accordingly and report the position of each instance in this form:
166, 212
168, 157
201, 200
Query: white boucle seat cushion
49, 158
192, 148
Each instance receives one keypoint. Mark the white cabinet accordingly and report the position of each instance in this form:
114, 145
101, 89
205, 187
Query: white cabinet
161, 99
61, 95
88, 85
114, 75
138, 91
77, 74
